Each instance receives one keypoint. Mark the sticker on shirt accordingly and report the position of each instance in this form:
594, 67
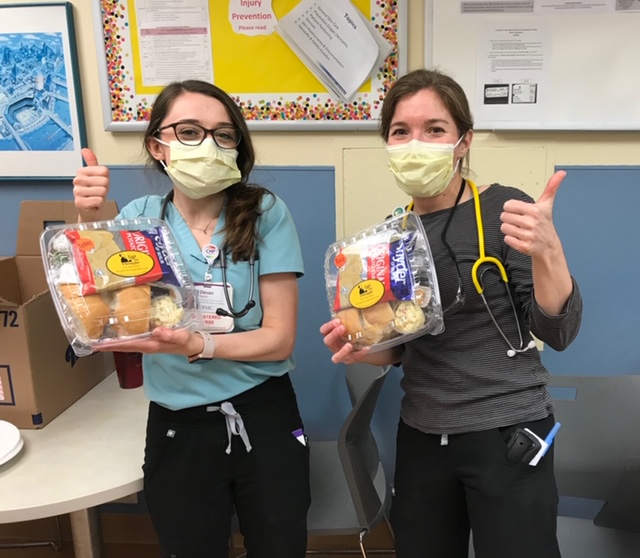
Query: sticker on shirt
211, 297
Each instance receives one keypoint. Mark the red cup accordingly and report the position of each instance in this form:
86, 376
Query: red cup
129, 369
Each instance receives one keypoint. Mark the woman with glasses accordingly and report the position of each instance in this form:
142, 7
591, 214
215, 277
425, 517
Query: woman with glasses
476, 410
224, 432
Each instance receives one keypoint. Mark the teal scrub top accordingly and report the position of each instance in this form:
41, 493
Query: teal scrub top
170, 380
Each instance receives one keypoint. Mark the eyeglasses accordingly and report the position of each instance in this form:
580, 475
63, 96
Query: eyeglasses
188, 133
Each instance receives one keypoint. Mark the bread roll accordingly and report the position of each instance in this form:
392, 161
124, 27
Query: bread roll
131, 310
368, 326
409, 317
165, 312
91, 311
351, 319
380, 314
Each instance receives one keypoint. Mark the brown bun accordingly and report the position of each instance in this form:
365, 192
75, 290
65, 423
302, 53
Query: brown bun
379, 314
91, 310
351, 319
367, 326
378, 320
132, 309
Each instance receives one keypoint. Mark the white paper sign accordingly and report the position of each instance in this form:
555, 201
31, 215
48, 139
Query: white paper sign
252, 17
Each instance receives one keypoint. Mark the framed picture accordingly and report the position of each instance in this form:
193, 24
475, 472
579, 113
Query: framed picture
289, 64
41, 118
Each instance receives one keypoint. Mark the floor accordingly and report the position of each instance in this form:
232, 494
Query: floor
132, 536
113, 550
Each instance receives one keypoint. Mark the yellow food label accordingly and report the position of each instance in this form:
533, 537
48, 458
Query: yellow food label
130, 263
366, 293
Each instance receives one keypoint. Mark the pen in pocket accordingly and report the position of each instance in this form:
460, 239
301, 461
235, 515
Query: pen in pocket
299, 435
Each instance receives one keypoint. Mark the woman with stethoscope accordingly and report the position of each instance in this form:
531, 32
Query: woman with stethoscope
224, 431
476, 413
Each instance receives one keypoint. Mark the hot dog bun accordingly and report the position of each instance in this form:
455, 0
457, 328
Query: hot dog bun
91, 311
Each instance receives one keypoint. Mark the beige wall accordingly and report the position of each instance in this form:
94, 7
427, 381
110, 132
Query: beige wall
364, 190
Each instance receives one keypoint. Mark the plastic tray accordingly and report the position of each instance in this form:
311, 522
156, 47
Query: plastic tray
381, 283
116, 280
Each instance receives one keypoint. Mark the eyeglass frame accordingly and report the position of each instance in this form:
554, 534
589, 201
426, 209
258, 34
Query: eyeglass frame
207, 132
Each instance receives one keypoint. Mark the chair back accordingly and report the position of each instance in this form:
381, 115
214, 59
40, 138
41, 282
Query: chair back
357, 446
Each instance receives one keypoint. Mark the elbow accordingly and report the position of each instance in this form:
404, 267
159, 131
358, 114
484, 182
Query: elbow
283, 350
562, 339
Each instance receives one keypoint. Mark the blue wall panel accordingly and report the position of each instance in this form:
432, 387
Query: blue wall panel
596, 214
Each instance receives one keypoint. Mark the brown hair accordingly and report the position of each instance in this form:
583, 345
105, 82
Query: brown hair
449, 91
244, 200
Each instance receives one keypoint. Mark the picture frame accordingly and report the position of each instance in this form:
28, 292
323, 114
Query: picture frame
42, 128
259, 72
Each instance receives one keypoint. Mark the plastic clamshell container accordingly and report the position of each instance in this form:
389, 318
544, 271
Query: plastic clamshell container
381, 283
114, 281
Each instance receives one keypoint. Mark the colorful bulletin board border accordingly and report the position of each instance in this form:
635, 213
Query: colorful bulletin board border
243, 66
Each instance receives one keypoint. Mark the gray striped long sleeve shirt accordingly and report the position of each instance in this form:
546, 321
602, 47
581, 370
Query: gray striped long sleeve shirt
462, 379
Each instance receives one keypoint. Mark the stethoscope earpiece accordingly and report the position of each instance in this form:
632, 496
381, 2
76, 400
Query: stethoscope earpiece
513, 352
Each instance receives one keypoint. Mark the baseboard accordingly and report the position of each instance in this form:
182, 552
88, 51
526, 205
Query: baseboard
136, 529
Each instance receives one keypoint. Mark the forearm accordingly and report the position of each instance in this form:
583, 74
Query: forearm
552, 282
261, 345
383, 358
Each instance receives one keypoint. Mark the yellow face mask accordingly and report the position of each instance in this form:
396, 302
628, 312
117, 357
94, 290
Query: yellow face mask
422, 170
202, 170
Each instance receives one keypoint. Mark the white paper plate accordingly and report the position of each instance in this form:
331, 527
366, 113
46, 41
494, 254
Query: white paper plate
10, 441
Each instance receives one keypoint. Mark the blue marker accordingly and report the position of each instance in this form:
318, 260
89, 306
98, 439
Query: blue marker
552, 434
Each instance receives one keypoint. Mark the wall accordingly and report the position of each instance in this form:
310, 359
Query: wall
333, 148
364, 192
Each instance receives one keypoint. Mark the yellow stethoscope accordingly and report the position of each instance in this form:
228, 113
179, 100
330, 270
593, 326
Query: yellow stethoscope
477, 278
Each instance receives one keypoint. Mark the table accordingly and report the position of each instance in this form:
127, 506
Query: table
89, 455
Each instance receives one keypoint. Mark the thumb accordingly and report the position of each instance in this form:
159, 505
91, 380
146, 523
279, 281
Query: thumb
89, 157
551, 189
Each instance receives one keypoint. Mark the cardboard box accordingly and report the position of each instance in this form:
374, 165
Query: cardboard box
40, 375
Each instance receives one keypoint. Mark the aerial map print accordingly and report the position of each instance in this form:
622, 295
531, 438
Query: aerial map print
34, 100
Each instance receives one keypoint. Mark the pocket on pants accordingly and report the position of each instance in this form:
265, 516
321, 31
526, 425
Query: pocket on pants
159, 435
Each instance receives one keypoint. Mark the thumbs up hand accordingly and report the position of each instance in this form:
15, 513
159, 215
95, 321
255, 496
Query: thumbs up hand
90, 188
528, 227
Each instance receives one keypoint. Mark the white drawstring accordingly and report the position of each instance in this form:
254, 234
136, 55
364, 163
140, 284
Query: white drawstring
234, 422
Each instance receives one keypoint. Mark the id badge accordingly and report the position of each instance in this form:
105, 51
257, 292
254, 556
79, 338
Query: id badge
210, 298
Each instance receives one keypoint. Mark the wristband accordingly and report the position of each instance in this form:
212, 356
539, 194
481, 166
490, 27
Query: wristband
209, 347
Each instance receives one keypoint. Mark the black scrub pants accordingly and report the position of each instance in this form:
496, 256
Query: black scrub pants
192, 485
441, 492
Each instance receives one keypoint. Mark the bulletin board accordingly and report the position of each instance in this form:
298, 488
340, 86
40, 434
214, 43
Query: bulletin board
272, 86
588, 61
